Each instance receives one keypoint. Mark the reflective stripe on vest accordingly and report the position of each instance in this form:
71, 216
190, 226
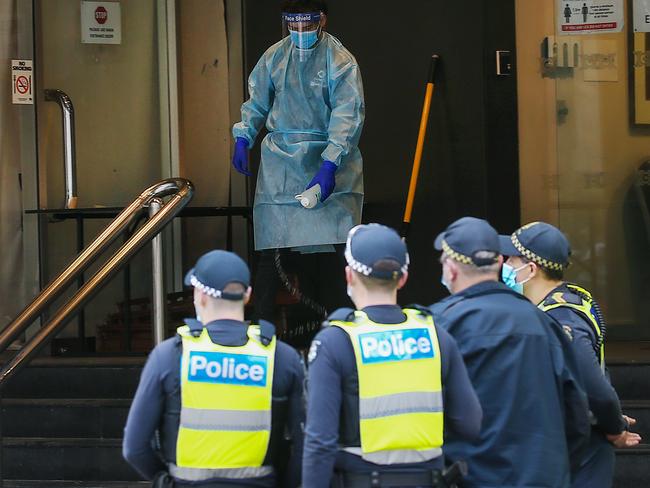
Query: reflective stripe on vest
197, 474
585, 309
400, 388
225, 421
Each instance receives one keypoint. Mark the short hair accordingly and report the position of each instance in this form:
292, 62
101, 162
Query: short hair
548, 273
472, 270
375, 284
303, 6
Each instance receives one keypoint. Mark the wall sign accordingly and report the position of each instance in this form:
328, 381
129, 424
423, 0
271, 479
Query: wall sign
590, 16
22, 81
641, 10
101, 23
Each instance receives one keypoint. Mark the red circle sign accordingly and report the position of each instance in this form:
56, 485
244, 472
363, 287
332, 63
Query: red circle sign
22, 85
101, 15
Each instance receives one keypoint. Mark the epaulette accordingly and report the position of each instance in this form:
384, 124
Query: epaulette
426, 311
195, 326
267, 332
561, 297
342, 315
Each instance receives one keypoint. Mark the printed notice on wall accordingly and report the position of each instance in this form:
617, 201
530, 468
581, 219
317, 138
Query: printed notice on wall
21, 81
101, 23
590, 16
641, 10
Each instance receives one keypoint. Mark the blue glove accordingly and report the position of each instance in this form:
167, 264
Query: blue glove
240, 158
325, 178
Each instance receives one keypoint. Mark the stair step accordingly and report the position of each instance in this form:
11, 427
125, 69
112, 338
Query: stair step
73, 484
58, 417
632, 467
42, 458
71, 381
631, 380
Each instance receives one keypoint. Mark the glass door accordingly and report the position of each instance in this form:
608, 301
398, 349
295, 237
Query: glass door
603, 157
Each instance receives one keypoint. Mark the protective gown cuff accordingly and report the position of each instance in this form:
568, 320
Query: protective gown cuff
238, 133
332, 153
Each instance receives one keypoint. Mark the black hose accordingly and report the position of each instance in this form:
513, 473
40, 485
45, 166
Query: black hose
295, 292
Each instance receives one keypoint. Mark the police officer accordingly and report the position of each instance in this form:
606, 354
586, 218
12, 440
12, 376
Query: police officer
220, 395
516, 364
538, 255
382, 381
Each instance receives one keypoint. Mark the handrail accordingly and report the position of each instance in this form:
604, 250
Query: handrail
181, 190
69, 147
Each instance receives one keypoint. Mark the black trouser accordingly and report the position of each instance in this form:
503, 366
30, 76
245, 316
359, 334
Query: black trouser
389, 479
166, 481
321, 277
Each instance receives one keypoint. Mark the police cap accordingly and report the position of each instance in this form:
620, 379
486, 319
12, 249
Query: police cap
217, 269
539, 242
470, 241
369, 244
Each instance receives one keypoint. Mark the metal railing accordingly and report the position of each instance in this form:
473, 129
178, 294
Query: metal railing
69, 148
161, 213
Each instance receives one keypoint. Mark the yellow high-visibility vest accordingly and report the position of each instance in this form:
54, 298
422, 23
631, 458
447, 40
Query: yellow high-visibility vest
585, 308
400, 387
225, 422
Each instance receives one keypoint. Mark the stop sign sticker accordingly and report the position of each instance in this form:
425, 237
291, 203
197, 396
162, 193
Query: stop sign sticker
101, 15
101, 22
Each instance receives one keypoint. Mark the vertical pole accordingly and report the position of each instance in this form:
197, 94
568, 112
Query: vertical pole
158, 279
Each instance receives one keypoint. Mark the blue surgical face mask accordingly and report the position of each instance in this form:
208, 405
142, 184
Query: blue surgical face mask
509, 277
445, 284
304, 40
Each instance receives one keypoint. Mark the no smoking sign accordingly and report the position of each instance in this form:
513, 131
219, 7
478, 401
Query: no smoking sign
21, 81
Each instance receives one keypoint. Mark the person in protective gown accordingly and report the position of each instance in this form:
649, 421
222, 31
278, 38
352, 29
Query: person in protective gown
307, 89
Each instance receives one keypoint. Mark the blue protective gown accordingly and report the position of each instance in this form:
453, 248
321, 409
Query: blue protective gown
312, 103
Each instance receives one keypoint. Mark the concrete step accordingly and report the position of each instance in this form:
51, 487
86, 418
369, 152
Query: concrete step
73, 484
35, 458
632, 467
56, 417
631, 380
71, 381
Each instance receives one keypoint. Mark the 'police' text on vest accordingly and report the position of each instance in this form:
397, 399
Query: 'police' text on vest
396, 345
234, 369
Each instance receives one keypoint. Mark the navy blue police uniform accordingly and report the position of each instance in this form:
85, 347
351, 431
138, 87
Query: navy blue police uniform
151, 432
546, 246
516, 362
332, 432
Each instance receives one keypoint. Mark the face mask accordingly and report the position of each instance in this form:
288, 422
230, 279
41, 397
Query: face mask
304, 40
445, 284
509, 277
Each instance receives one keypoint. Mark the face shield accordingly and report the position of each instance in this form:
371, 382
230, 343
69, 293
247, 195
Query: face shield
304, 28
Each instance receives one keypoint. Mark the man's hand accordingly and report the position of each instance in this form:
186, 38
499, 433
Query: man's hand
624, 439
324, 178
240, 157
630, 421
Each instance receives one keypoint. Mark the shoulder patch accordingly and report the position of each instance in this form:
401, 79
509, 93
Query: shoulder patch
313, 350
